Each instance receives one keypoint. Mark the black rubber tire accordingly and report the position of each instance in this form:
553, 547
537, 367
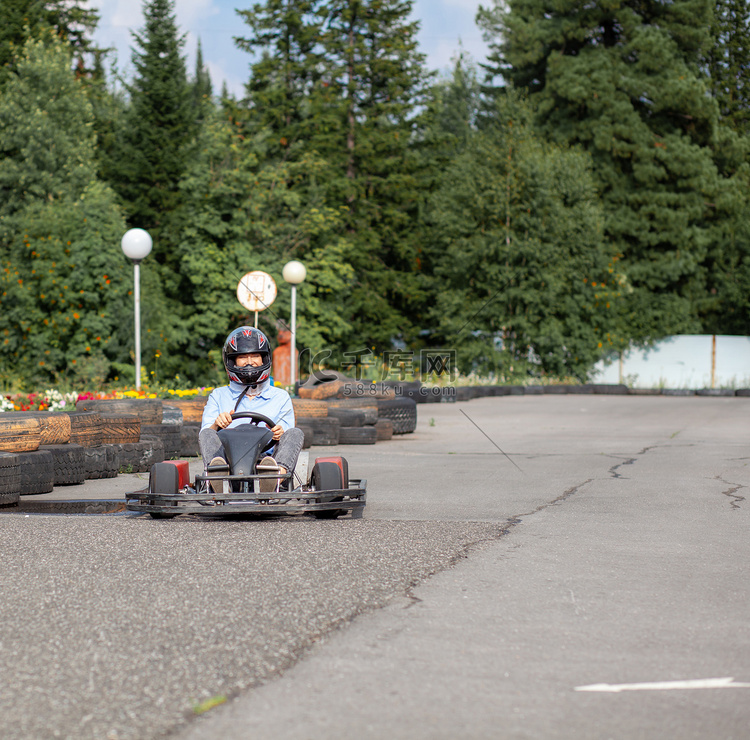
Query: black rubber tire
69, 463
85, 428
384, 429
10, 479
644, 391
138, 457
101, 462
37, 471
308, 433
610, 389
745, 392
714, 392
401, 411
148, 410
169, 434
119, 428
358, 435
171, 415
327, 476
309, 408
349, 417
325, 429
677, 392
368, 402
466, 392
556, 390
189, 439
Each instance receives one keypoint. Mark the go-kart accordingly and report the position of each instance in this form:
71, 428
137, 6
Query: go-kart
235, 488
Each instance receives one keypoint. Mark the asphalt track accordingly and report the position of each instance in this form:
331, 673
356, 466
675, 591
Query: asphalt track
515, 553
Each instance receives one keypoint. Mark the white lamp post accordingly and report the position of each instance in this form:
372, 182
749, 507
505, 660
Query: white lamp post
294, 273
136, 244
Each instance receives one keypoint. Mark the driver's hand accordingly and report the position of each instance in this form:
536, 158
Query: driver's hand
223, 420
278, 430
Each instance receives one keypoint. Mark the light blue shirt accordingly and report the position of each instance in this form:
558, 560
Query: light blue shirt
275, 403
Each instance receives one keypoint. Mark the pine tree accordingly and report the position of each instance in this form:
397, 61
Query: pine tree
527, 283
727, 62
621, 79
201, 85
71, 20
151, 155
344, 79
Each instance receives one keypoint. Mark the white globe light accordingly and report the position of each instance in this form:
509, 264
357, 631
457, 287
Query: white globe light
294, 272
136, 244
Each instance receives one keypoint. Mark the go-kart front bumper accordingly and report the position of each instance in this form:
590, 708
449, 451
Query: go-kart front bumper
302, 500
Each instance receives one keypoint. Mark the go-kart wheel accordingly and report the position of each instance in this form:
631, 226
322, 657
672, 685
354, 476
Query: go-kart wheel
327, 476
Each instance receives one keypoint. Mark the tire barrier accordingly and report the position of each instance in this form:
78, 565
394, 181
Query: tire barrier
189, 439
69, 463
10, 479
308, 408
384, 429
19, 432
85, 428
148, 410
308, 432
362, 435
325, 430
37, 471
101, 462
192, 408
401, 411
55, 427
138, 457
171, 414
349, 417
119, 428
169, 434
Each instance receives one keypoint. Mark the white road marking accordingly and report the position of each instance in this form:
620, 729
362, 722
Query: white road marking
701, 683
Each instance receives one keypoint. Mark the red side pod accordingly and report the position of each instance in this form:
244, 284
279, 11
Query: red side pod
183, 471
343, 467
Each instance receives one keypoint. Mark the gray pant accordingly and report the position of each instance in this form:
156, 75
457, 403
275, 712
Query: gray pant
285, 452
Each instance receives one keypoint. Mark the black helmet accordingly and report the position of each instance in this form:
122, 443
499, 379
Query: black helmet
242, 341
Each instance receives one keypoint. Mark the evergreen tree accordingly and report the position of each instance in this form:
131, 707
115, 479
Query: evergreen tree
622, 80
344, 79
151, 154
727, 63
71, 20
528, 283
201, 85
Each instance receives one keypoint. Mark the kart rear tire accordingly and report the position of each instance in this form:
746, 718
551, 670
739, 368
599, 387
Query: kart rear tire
327, 476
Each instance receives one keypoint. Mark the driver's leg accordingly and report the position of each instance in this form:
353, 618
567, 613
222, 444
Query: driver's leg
288, 448
210, 446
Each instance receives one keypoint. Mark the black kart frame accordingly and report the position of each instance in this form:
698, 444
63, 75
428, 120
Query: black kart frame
203, 500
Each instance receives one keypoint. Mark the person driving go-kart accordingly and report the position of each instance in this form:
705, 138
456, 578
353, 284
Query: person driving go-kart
247, 359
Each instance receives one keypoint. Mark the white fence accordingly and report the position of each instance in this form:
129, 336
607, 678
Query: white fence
683, 361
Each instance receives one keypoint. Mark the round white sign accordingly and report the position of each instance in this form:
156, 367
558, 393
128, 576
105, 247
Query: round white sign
256, 290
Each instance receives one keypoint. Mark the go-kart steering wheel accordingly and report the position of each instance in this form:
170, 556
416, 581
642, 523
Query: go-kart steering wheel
255, 417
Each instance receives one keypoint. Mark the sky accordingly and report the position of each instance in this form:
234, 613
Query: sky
444, 24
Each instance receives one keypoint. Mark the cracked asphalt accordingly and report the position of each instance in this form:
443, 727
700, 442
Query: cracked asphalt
513, 550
